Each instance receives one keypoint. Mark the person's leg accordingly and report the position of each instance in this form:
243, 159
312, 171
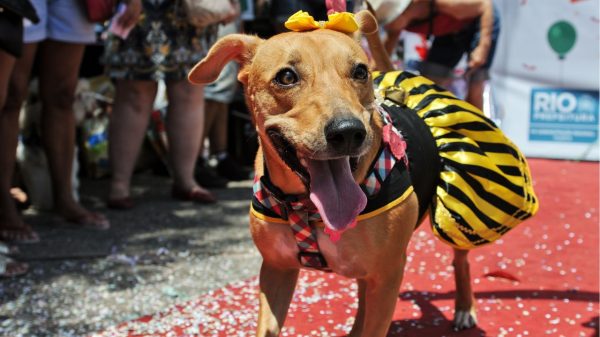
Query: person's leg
206, 175
475, 93
216, 125
209, 119
128, 123
7, 62
12, 227
442, 81
478, 77
210, 114
218, 95
439, 74
443, 56
185, 125
59, 73
226, 166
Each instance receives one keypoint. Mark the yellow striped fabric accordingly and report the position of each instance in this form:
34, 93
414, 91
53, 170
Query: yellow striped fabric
485, 186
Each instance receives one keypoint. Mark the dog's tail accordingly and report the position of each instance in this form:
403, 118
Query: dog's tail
370, 29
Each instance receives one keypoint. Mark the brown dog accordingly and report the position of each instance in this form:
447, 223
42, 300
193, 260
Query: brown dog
312, 101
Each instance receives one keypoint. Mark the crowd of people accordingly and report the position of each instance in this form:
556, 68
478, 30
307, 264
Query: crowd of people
163, 46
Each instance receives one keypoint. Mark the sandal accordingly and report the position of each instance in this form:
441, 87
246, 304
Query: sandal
91, 220
11, 268
195, 195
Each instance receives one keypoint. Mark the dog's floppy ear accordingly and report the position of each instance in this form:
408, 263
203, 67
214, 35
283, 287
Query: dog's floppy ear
367, 24
234, 47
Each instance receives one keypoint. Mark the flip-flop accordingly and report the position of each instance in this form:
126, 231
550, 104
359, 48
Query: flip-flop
91, 220
23, 234
11, 268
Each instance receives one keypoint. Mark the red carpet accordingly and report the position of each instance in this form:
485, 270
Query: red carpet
541, 280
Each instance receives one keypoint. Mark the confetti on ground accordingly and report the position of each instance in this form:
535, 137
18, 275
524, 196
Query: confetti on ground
540, 280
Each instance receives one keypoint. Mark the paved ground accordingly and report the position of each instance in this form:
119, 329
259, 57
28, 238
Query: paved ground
160, 253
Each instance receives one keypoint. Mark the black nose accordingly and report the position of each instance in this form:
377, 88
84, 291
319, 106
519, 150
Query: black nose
345, 135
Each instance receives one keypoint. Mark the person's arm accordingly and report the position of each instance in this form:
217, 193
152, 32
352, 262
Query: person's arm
465, 9
131, 14
391, 40
417, 10
479, 55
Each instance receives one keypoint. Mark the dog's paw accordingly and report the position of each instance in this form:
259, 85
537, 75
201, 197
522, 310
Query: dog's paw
464, 319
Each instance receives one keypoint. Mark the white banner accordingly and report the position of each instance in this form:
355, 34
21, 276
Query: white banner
545, 77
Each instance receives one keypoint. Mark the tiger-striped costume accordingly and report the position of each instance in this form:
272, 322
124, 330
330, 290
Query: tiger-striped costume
484, 187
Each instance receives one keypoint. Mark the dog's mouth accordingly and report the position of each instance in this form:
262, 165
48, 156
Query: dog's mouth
287, 152
338, 198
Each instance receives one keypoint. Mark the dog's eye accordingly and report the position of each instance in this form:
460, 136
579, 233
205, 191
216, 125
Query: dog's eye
286, 77
360, 72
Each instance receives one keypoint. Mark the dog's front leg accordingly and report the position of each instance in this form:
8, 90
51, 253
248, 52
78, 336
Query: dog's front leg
276, 290
381, 295
359, 319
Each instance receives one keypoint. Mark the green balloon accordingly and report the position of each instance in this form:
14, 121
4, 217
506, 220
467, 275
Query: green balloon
562, 36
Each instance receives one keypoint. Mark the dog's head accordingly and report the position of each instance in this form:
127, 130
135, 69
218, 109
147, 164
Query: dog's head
311, 98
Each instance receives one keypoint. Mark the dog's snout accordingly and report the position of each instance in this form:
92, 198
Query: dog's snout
345, 134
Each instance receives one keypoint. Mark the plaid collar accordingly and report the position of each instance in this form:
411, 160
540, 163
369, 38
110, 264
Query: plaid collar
300, 212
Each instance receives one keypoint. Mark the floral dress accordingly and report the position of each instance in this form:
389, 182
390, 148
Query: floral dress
162, 46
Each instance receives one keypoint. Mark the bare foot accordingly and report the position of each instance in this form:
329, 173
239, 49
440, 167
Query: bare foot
13, 229
75, 214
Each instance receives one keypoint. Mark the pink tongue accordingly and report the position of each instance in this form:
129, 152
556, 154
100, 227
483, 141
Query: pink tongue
334, 192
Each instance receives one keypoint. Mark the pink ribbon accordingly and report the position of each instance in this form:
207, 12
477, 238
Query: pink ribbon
335, 6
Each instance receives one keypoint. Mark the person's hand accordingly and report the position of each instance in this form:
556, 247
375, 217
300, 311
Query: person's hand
131, 14
335, 6
478, 57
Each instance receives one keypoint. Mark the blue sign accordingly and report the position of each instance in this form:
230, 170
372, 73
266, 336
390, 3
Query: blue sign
564, 115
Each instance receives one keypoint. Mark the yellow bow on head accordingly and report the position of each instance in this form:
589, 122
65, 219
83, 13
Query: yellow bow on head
343, 22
